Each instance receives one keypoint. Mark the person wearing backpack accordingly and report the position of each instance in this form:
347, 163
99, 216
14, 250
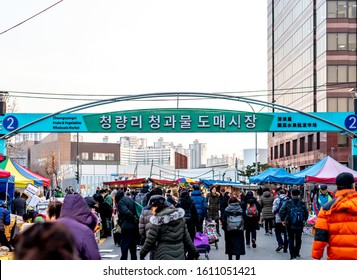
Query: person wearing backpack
280, 229
251, 213
191, 217
233, 227
294, 214
201, 205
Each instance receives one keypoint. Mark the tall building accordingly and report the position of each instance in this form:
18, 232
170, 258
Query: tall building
311, 67
198, 154
249, 156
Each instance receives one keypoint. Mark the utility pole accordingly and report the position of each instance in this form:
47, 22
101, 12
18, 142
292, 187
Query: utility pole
152, 165
3, 96
136, 170
77, 158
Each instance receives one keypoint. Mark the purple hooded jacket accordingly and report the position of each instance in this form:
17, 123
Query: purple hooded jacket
80, 221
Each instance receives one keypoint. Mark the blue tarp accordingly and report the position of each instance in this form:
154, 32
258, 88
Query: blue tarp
277, 176
10, 182
208, 183
312, 170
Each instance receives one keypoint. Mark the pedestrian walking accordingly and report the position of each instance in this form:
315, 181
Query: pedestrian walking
5, 220
129, 225
251, 214
81, 222
212, 201
321, 197
18, 205
53, 211
266, 202
168, 233
280, 229
46, 241
223, 201
233, 235
105, 212
144, 191
201, 206
294, 214
169, 198
336, 225
191, 217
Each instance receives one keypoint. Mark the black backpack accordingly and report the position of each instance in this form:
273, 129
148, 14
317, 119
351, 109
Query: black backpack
296, 215
188, 215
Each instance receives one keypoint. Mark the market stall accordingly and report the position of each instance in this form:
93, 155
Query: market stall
135, 183
325, 171
276, 176
22, 175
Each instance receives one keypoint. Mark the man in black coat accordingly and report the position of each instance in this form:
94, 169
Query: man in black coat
105, 212
223, 201
18, 206
129, 225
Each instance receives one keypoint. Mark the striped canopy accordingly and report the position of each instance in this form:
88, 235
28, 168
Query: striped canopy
22, 175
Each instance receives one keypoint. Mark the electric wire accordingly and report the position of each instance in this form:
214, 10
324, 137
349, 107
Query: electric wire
35, 15
79, 97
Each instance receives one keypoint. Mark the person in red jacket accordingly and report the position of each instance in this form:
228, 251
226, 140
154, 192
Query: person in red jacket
336, 225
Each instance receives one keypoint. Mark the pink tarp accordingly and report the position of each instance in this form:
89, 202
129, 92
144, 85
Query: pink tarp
325, 171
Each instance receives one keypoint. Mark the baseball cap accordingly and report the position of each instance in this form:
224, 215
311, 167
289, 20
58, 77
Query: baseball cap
323, 187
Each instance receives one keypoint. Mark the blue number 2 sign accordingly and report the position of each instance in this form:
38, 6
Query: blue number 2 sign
10, 123
351, 122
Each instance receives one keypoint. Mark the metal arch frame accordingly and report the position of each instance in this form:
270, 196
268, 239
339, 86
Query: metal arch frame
177, 95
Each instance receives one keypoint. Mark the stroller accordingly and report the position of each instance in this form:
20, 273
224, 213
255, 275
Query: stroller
210, 230
202, 244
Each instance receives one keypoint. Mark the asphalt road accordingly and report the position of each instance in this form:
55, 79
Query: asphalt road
265, 249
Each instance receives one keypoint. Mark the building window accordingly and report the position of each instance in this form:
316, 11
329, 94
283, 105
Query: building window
85, 156
310, 142
103, 156
352, 42
339, 74
281, 150
318, 141
287, 149
352, 9
302, 145
276, 155
352, 73
271, 153
342, 140
340, 9
337, 41
294, 147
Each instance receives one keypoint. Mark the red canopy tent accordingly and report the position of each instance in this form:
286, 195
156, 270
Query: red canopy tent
4, 174
163, 182
126, 182
325, 171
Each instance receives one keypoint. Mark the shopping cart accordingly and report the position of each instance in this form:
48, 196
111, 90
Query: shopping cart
201, 242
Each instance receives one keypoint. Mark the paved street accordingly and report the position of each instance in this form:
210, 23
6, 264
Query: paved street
265, 250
